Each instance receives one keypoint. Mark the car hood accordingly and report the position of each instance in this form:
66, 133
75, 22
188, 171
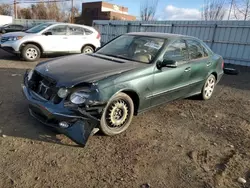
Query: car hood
11, 34
75, 69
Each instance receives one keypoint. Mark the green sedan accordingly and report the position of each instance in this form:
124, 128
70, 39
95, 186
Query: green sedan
130, 74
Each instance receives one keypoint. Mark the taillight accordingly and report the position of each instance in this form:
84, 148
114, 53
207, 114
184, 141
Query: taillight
98, 36
222, 64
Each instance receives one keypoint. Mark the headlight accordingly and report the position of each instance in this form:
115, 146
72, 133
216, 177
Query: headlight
14, 38
30, 74
62, 92
79, 97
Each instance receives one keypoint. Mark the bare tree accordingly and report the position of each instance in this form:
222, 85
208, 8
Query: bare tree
24, 13
148, 9
5, 9
213, 10
242, 9
58, 11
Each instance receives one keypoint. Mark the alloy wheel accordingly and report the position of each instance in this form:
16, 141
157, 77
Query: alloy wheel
209, 87
117, 114
31, 53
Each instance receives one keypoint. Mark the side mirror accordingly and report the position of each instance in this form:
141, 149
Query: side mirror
169, 63
48, 33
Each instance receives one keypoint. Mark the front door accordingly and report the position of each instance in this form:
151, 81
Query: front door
57, 41
172, 82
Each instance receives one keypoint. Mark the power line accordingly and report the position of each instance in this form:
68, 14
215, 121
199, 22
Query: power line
54, 1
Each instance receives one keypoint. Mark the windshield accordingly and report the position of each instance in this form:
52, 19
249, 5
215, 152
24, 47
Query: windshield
135, 48
38, 28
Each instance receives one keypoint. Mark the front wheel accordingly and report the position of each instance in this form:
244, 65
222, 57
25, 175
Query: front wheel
31, 52
208, 87
117, 115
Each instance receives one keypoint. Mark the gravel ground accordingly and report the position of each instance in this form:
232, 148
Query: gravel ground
186, 144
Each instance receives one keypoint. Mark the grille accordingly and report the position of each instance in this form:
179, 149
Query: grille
42, 117
43, 86
4, 39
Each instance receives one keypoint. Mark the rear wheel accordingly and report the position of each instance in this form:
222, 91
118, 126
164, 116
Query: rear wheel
31, 52
87, 49
208, 87
117, 115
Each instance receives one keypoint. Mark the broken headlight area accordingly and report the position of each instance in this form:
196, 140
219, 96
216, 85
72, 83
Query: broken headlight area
61, 108
79, 97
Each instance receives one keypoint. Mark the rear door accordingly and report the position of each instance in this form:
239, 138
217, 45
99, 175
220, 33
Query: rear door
90, 37
76, 38
200, 64
172, 83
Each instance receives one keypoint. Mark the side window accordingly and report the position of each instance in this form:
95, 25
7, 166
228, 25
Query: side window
177, 51
58, 30
205, 51
196, 50
19, 27
10, 27
73, 30
87, 32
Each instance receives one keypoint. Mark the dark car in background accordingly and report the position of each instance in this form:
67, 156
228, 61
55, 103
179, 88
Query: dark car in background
128, 75
12, 28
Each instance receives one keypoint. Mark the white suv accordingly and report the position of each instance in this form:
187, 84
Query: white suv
50, 38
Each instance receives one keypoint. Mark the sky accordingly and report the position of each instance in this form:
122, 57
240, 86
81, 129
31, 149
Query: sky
166, 10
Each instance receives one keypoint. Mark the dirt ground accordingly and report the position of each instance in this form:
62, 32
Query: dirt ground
184, 144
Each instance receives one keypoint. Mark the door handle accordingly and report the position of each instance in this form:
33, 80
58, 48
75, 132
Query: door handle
209, 64
65, 37
188, 69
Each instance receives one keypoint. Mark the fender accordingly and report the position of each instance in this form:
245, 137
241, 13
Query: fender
31, 42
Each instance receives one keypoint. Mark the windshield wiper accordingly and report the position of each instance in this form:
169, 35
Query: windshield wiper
117, 56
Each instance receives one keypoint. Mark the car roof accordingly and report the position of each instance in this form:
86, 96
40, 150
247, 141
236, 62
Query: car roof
12, 24
59, 23
161, 35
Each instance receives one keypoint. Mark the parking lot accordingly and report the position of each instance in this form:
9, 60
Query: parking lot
186, 143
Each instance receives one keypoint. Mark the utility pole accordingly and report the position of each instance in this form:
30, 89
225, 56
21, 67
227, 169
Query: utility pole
72, 11
15, 9
230, 9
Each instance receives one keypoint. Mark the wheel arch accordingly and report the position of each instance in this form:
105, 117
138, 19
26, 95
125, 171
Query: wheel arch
135, 98
215, 74
31, 42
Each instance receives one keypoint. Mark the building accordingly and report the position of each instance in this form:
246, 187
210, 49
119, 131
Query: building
103, 11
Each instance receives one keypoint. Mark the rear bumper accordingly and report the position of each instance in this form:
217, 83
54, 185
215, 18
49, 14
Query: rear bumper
80, 124
219, 76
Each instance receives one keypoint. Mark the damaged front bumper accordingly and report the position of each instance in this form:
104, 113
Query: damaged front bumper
80, 123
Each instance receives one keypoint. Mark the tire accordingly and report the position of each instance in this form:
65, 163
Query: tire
208, 88
88, 49
117, 115
31, 52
